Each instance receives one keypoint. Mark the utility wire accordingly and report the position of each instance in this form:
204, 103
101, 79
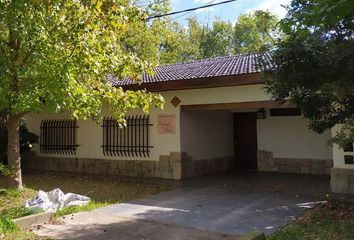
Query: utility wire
188, 10
149, 2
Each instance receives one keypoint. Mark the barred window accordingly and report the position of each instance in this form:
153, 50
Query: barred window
132, 140
58, 136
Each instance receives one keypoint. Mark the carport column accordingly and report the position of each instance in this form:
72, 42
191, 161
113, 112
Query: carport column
342, 173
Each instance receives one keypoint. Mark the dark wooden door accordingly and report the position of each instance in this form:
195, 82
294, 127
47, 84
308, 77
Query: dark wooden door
245, 141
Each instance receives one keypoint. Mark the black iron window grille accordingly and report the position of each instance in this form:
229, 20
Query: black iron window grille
132, 140
58, 136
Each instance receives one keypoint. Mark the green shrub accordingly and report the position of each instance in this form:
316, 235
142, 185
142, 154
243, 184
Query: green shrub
4, 171
11, 192
17, 212
7, 225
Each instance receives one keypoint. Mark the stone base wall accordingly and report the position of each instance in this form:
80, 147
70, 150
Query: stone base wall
342, 180
205, 167
175, 166
267, 163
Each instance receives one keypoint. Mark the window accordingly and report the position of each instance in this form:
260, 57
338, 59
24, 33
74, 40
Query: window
277, 112
348, 147
58, 136
132, 140
348, 159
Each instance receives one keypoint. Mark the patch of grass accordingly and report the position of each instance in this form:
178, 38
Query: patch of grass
20, 235
17, 212
12, 206
102, 191
12, 200
100, 188
74, 209
330, 221
7, 225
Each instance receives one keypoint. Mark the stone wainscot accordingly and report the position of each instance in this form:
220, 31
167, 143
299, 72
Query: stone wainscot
267, 163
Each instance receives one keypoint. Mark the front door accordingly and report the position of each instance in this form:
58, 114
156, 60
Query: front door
245, 141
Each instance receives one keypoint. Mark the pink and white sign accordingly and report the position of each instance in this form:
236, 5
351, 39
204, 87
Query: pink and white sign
166, 124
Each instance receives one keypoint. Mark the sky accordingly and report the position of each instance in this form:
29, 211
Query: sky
228, 11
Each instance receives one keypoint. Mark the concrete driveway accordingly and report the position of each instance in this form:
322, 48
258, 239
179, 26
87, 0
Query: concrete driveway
212, 207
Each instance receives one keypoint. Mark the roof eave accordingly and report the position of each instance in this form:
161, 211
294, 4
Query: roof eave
195, 83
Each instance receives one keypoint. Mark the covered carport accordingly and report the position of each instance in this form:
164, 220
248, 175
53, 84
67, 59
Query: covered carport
252, 136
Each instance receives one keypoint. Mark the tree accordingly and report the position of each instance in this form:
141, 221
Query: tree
315, 63
56, 55
196, 33
179, 44
217, 40
27, 138
173, 43
255, 32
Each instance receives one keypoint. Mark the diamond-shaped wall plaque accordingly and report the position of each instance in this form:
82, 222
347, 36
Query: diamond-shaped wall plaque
175, 101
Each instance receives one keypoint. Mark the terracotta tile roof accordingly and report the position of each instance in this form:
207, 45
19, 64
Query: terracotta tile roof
208, 68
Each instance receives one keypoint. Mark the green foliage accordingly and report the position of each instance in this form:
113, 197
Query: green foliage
315, 63
10, 193
217, 41
17, 212
172, 47
255, 32
179, 44
326, 222
4, 170
252, 32
7, 225
56, 55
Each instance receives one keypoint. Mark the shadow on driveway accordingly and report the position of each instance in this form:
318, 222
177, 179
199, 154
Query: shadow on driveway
225, 204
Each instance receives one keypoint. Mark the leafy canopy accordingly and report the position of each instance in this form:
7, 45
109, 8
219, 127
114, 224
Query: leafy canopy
179, 44
217, 40
56, 55
315, 63
255, 32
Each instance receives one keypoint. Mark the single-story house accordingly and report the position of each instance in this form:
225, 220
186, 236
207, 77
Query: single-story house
217, 118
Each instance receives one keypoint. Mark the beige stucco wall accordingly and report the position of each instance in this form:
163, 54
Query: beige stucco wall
290, 137
90, 133
338, 154
207, 134
285, 136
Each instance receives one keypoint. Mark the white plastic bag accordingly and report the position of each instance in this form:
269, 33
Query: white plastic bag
55, 200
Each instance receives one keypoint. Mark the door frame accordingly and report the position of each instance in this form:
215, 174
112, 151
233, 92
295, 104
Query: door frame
253, 116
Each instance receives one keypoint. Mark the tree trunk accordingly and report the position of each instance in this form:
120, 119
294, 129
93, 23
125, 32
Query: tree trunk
13, 152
